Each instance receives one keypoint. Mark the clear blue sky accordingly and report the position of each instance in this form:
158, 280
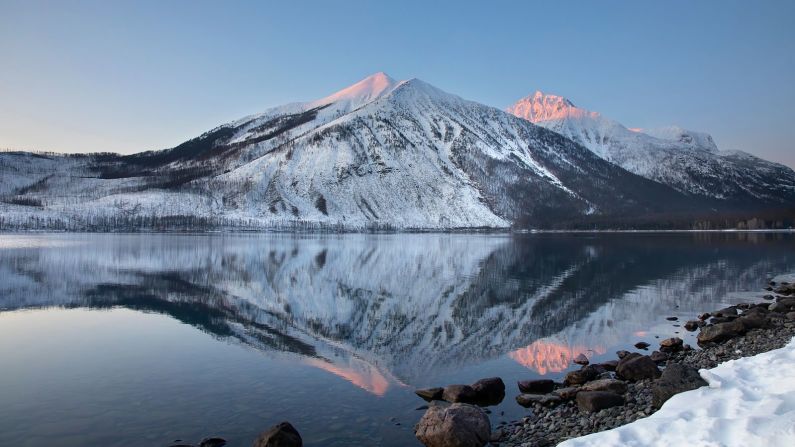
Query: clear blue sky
128, 76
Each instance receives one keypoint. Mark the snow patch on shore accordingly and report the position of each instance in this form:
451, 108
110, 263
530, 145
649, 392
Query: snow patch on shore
749, 401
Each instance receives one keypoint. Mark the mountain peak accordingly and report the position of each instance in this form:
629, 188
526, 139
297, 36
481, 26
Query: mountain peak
362, 92
542, 106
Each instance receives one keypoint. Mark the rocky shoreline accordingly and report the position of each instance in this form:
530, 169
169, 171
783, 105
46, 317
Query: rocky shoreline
596, 397
737, 331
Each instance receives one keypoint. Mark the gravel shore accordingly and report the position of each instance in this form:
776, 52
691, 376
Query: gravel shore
549, 425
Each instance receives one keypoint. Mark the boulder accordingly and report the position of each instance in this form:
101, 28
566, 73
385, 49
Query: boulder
280, 435
768, 297
541, 386
527, 400
582, 375
787, 302
457, 425
720, 332
753, 320
790, 316
676, 379
642, 345
430, 394
658, 357
672, 318
777, 307
621, 354
490, 391
611, 385
581, 359
704, 316
673, 344
637, 367
591, 401
459, 393
609, 365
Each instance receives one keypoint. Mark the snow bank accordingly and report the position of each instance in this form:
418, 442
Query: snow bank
749, 402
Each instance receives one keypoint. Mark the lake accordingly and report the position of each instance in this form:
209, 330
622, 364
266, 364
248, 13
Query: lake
142, 339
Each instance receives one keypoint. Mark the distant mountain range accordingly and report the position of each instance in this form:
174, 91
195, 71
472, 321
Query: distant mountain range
688, 161
383, 154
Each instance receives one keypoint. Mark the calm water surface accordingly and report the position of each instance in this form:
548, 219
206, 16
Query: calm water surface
136, 340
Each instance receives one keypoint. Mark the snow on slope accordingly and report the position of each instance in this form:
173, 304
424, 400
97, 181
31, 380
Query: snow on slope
693, 139
749, 402
686, 160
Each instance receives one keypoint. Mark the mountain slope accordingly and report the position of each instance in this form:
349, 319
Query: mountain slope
685, 160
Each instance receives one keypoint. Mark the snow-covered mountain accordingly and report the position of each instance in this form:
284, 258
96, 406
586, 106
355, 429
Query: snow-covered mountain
378, 154
685, 160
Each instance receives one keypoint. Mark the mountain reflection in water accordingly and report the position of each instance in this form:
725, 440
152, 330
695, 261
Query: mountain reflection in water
393, 312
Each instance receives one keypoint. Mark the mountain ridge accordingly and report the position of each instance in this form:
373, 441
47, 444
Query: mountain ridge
379, 154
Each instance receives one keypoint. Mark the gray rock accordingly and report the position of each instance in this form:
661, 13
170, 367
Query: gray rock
658, 357
490, 391
642, 345
609, 365
611, 385
430, 394
458, 425
541, 386
692, 325
676, 378
637, 367
778, 307
581, 359
581, 375
720, 332
280, 435
787, 302
672, 344
753, 320
567, 393
459, 393
527, 400
726, 312
592, 401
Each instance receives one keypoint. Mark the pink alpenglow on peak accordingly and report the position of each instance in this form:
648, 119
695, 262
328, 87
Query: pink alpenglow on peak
541, 106
362, 92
